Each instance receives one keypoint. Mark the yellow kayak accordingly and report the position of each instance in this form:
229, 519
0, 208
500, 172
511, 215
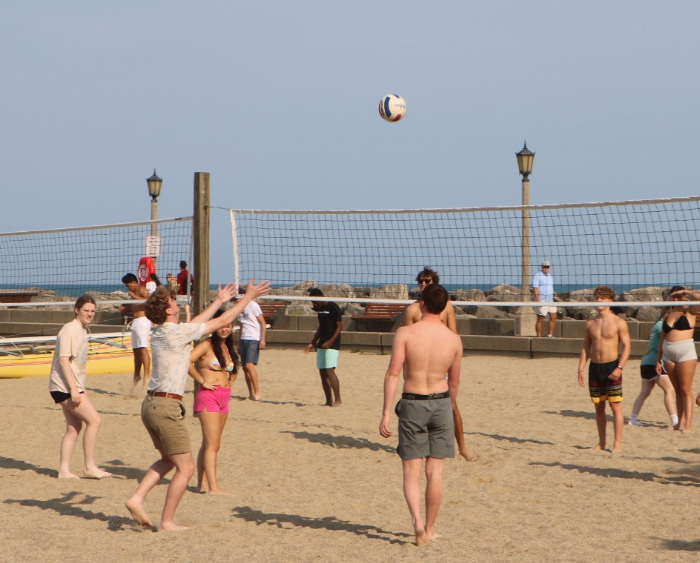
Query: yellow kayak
102, 359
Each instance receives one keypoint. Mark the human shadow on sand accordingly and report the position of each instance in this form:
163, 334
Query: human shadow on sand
267, 402
10, 463
66, 506
117, 467
330, 523
101, 391
341, 442
511, 438
683, 480
577, 414
680, 545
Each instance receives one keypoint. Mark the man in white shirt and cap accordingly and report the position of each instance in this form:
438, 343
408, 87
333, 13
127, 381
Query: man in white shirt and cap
543, 288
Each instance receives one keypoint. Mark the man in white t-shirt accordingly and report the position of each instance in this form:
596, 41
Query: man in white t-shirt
162, 411
253, 332
543, 288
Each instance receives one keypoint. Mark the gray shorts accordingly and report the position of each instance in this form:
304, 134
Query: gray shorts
426, 429
250, 352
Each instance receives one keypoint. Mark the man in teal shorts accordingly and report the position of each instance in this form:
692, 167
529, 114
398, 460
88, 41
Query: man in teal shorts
330, 323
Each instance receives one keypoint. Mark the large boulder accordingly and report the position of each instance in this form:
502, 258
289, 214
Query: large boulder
647, 314
338, 290
467, 295
486, 312
396, 291
300, 308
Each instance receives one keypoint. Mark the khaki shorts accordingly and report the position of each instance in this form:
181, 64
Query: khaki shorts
164, 418
426, 429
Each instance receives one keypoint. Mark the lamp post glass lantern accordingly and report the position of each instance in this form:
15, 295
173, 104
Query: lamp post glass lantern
154, 185
525, 159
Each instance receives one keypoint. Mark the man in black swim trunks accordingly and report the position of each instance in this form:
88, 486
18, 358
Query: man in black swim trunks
604, 335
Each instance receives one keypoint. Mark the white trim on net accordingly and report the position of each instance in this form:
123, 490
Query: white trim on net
567, 304
464, 209
96, 227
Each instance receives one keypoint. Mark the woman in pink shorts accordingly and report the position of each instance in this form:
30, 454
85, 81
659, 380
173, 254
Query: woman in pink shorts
214, 366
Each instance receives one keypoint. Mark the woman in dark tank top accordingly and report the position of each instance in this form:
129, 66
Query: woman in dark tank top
677, 349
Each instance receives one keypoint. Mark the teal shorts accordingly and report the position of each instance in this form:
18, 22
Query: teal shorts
327, 358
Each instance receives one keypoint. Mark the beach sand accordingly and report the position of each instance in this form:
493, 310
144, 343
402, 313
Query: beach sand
312, 483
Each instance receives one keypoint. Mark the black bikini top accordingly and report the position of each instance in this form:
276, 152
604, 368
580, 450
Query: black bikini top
682, 323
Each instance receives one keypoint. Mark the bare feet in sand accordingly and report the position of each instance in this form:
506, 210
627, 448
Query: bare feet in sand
617, 449
172, 527
337, 404
137, 378
598, 448
67, 475
253, 398
421, 537
467, 456
135, 507
433, 535
685, 431
96, 473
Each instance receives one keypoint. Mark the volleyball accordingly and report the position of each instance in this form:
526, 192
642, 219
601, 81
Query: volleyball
392, 107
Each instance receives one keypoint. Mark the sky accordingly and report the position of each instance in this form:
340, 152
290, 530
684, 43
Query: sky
278, 101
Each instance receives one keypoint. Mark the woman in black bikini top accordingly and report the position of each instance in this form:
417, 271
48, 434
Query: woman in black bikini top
677, 349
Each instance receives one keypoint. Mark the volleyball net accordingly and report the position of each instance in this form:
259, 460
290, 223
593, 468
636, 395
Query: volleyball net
55, 266
639, 248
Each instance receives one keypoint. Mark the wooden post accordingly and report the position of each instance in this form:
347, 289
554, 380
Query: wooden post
201, 242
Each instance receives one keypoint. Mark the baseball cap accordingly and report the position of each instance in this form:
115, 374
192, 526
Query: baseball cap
546, 263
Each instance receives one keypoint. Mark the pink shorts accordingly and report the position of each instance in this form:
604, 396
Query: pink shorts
212, 401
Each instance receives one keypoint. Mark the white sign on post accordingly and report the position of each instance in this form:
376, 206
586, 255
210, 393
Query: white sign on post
152, 246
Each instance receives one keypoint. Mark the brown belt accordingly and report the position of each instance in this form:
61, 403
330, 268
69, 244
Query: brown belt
166, 395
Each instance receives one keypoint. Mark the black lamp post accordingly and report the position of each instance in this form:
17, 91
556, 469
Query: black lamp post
154, 185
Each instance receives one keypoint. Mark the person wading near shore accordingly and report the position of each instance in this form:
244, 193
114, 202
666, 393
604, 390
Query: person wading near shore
425, 350
412, 315
330, 323
162, 411
140, 328
604, 335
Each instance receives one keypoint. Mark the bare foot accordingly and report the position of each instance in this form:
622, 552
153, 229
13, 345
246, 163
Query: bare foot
172, 527
67, 475
685, 431
96, 473
337, 404
617, 449
135, 507
467, 456
137, 378
433, 535
327, 405
598, 448
421, 537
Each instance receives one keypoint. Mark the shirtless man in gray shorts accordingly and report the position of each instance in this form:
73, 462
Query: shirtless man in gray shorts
425, 350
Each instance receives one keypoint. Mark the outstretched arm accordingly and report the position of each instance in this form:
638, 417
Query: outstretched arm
253, 292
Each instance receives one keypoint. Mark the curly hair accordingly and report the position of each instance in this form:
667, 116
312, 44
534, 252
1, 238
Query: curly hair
605, 292
430, 273
157, 304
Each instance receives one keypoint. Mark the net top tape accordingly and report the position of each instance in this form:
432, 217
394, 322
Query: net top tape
96, 227
460, 209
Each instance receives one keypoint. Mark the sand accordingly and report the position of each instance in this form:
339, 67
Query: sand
312, 483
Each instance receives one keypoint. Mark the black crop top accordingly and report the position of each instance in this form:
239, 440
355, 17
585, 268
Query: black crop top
682, 323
